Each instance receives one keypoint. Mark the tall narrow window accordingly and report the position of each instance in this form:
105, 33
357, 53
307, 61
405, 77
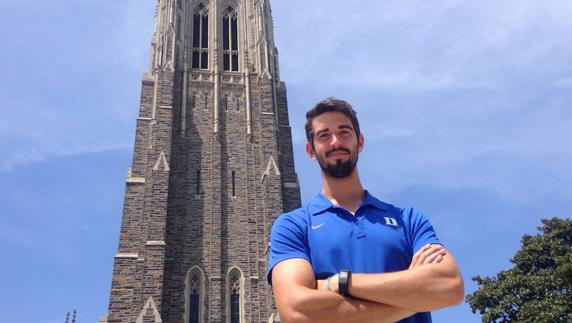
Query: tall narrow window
194, 296
225, 103
234, 297
198, 183
200, 57
192, 101
230, 39
233, 184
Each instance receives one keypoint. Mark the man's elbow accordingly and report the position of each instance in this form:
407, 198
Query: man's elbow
455, 291
291, 315
449, 291
292, 311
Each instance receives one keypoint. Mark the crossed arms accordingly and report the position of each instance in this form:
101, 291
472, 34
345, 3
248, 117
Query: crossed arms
432, 281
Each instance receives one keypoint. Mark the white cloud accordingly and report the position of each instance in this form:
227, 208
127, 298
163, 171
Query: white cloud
77, 90
420, 45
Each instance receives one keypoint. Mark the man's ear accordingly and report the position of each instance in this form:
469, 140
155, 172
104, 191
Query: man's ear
361, 142
310, 151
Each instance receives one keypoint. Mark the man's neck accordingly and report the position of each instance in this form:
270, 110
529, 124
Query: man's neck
345, 192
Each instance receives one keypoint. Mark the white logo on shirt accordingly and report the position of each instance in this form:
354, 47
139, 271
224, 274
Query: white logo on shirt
391, 221
314, 227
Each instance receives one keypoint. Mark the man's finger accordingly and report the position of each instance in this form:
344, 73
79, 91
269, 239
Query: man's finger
426, 253
435, 257
415, 260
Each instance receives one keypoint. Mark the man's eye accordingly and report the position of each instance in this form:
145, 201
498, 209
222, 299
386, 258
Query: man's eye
324, 136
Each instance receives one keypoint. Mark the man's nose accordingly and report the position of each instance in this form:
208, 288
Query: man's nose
336, 140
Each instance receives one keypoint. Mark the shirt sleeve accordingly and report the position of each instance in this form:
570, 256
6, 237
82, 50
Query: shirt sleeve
421, 231
288, 240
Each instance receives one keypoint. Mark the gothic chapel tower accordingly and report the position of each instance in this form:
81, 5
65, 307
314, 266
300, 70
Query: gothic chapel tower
212, 169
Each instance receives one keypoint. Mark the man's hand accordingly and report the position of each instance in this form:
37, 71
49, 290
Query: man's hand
322, 284
429, 254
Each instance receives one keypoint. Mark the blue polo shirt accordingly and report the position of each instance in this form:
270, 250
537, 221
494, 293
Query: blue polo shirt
378, 238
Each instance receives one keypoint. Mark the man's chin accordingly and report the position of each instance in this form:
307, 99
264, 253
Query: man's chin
337, 175
338, 172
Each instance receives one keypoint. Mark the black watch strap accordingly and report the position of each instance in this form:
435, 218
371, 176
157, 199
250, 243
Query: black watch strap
344, 278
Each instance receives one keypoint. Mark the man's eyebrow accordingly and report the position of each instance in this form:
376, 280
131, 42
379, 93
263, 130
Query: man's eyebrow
345, 126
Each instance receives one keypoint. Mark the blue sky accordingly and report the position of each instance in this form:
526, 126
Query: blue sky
465, 107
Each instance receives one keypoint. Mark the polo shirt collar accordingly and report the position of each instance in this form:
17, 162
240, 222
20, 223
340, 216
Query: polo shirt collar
320, 203
371, 200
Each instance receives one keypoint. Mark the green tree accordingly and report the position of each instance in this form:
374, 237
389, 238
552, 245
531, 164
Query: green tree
539, 287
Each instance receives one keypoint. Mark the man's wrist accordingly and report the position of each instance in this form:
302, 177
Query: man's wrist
344, 280
336, 284
332, 283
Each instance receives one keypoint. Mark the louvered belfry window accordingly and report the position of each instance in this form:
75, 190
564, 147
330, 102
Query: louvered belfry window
230, 39
200, 57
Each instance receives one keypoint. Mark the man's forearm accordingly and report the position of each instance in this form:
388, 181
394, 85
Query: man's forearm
310, 305
419, 289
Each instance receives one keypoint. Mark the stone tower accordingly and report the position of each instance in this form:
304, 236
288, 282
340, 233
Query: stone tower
212, 168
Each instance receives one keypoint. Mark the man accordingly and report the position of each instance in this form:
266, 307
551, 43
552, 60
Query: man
348, 257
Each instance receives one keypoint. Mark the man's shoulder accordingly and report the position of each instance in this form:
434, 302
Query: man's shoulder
410, 213
316, 205
296, 217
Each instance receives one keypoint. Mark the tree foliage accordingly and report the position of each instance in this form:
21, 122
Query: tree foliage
539, 287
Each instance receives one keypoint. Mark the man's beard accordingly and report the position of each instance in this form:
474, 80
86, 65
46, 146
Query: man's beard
342, 168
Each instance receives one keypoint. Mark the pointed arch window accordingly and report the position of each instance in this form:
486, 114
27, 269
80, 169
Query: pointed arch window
230, 39
234, 296
195, 296
200, 57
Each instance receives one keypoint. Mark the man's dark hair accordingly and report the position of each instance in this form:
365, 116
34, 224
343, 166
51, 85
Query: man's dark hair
330, 105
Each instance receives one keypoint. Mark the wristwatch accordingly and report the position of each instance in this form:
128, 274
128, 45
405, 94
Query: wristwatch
344, 278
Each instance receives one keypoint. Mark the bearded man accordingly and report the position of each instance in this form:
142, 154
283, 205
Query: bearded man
347, 256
